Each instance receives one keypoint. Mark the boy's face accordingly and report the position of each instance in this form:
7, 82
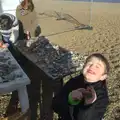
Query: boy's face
94, 70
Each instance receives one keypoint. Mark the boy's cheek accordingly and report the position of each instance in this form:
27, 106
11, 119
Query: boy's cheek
85, 73
85, 69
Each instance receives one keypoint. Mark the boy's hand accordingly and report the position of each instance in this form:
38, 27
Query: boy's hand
89, 95
2, 45
77, 94
5, 45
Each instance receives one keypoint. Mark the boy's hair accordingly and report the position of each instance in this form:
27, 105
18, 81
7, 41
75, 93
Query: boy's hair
102, 58
5, 22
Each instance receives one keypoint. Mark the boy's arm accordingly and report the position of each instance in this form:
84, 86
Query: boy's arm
60, 101
70, 85
95, 111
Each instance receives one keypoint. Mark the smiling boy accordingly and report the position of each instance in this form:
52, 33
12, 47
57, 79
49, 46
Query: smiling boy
86, 94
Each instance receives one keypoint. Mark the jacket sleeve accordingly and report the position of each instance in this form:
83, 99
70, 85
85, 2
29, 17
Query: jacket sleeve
68, 87
96, 111
60, 101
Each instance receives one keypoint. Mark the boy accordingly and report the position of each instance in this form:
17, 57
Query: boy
9, 28
86, 95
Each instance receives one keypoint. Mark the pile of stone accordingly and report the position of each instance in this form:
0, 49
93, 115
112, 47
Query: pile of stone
4, 101
56, 61
11, 77
9, 70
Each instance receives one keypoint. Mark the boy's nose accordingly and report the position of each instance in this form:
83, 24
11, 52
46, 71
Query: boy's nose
92, 67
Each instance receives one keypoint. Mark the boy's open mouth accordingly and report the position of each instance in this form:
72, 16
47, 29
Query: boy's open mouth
90, 72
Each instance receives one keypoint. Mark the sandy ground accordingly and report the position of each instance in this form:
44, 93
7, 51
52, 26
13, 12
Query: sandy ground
104, 38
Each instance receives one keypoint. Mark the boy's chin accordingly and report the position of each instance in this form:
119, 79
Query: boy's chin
90, 79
